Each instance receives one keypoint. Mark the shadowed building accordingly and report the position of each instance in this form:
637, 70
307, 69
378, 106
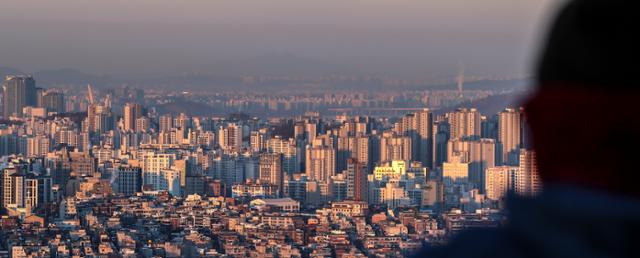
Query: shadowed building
17, 93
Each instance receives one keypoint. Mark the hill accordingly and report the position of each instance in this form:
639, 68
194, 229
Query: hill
490, 105
188, 107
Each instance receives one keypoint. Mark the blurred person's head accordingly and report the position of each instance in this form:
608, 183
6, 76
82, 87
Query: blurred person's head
584, 122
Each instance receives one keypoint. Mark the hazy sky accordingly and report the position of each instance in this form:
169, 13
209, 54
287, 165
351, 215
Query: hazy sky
156, 37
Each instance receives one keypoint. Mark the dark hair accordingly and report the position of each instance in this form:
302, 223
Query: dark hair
593, 43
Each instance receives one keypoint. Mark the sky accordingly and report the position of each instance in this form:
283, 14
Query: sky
150, 38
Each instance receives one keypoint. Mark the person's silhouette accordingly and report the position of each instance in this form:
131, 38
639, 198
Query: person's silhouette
585, 130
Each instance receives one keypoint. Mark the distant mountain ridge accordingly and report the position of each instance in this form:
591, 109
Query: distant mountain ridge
487, 84
216, 81
4, 71
61, 77
492, 104
188, 107
70, 77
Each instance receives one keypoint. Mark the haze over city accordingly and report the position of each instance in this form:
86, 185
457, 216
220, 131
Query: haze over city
405, 39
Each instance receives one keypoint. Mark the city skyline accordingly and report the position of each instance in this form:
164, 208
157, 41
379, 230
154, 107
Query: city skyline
283, 128
349, 175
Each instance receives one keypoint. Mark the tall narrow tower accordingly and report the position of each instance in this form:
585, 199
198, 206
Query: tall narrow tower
460, 80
